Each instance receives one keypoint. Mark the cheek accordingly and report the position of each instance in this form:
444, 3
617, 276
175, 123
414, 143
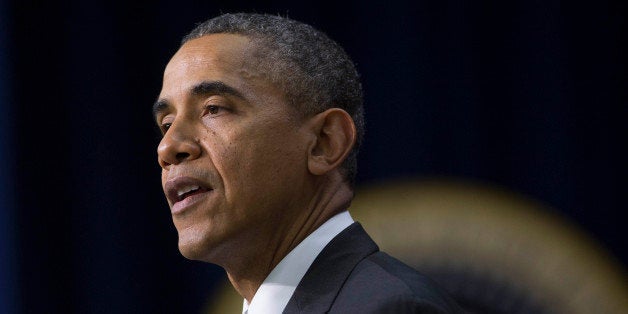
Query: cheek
227, 154
270, 162
264, 152
255, 159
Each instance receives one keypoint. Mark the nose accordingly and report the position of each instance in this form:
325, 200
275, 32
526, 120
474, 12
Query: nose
178, 145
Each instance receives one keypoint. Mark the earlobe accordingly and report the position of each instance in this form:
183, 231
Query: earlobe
335, 135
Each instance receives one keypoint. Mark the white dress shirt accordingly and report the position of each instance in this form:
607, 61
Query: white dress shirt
277, 289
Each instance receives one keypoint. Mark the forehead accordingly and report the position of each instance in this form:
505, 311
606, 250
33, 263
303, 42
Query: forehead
211, 54
228, 59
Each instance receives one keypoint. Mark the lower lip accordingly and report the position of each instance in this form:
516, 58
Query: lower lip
188, 202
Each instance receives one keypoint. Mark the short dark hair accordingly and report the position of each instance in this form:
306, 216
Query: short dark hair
314, 71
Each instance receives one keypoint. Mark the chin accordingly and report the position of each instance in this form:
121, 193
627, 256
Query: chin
192, 246
192, 252
199, 248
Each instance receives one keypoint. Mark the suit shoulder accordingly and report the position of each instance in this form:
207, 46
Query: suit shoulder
383, 284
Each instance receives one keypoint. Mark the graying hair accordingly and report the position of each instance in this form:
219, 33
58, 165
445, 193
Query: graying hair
314, 71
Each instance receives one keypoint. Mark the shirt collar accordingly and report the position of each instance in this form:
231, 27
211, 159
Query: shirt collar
277, 289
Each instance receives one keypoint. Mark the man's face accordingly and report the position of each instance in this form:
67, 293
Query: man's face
234, 153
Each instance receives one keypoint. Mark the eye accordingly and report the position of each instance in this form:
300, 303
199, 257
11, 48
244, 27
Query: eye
165, 127
212, 109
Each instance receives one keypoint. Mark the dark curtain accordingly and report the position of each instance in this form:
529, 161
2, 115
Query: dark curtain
528, 95
8, 287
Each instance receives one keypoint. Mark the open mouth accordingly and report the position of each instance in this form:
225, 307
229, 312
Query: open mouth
185, 193
188, 191
184, 189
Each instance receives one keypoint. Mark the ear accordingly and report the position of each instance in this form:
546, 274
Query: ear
335, 135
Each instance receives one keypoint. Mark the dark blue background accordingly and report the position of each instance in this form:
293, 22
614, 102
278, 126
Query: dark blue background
529, 95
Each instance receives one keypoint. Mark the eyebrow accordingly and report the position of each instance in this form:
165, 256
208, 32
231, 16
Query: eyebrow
204, 88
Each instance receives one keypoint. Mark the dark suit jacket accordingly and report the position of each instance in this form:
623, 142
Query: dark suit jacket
351, 275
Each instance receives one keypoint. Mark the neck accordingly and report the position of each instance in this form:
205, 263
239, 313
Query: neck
247, 274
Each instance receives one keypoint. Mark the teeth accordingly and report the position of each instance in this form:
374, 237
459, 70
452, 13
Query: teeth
187, 189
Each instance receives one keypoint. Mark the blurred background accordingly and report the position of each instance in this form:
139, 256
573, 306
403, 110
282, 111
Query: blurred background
524, 96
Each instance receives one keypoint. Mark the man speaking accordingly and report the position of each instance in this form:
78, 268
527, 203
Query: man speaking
262, 119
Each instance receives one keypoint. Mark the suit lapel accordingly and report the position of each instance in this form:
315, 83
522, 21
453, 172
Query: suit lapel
322, 282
